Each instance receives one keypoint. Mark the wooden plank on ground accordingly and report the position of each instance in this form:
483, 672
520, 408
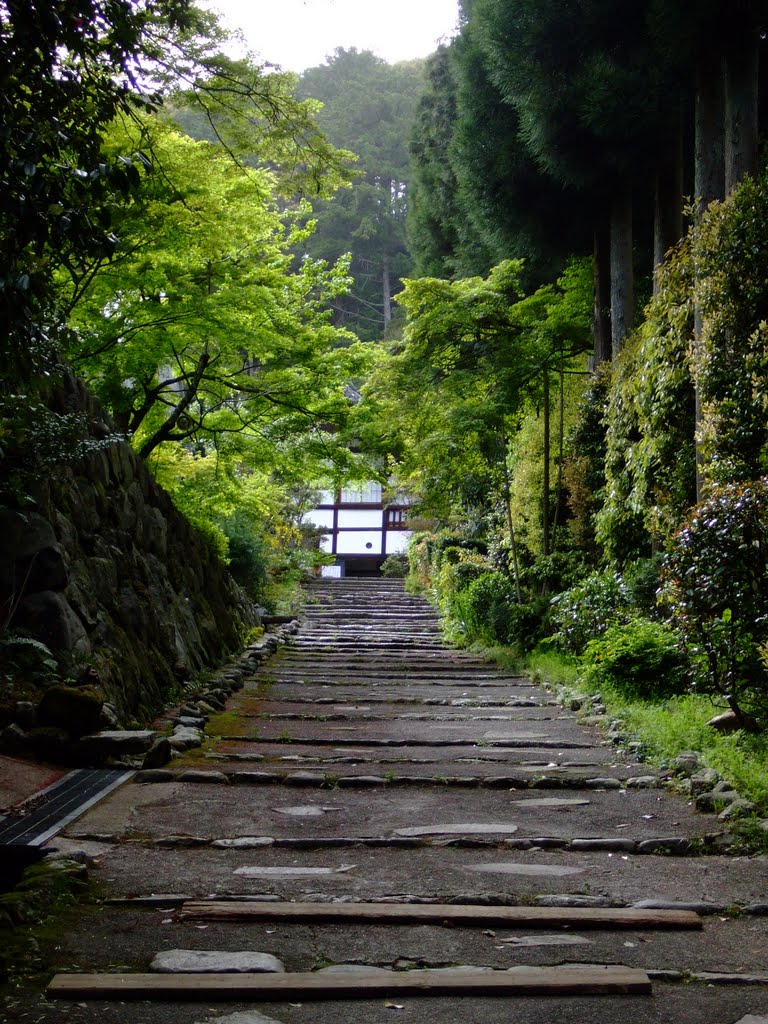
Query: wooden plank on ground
438, 913
523, 981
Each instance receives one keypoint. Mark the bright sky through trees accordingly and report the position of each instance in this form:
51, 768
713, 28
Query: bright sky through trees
298, 34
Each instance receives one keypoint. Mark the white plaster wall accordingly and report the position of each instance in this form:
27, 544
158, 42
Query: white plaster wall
349, 543
320, 517
397, 541
362, 517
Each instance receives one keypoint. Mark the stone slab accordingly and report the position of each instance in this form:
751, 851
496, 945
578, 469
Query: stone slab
534, 870
215, 961
472, 828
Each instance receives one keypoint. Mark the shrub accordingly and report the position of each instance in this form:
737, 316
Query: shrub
715, 585
585, 611
640, 659
489, 600
494, 615
395, 566
248, 554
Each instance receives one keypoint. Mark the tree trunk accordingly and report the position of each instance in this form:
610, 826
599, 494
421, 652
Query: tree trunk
709, 184
622, 276
668, 205
709, 174
601, 317
741, 105
386, 289
560, 453
545, 546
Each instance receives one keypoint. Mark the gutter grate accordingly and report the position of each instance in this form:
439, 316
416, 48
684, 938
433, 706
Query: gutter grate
59, 804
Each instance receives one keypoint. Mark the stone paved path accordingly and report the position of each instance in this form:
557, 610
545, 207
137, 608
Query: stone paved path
367, 762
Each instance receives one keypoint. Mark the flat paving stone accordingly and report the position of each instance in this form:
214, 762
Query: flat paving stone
424, 726
527, 941
534, 870
472, 828
646, 816
257, 871
214, 961
246, 1017
439, 873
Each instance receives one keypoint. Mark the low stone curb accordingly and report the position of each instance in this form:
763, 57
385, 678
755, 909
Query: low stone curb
671, 846
330, 780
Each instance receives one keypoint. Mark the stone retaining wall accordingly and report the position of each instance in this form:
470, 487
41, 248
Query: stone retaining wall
105, 571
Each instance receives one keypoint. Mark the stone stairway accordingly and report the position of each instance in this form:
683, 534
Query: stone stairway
407, 829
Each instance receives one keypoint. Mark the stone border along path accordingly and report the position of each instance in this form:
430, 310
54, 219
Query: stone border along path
389, 824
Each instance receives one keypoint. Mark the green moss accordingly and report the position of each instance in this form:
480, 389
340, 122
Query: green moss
33, 916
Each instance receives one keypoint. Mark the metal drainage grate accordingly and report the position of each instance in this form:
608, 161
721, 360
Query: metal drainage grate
60, 803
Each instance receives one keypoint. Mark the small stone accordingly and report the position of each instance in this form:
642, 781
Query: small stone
350, 781
752, 1018
696, 906
205, 708
13, 738
575, 704
566, 900
243, 842
158, 755
643, 782
25, 714
727, 722
191, 711
610, 845
471, 828
211, 961
704, 781
664, 975
672, 845
253, 778
608, 783
710, 802
549, 843
180, 842
197, 775
109, 717
118, 742
184, 738
190, 721
304, 779
685, 763
723, 978
154, 775
723, 787
738, 809
557, 939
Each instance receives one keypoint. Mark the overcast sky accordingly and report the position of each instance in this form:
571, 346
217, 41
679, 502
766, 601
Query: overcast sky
299, 34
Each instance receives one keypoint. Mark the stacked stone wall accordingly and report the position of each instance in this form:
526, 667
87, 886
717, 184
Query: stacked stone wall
104, 571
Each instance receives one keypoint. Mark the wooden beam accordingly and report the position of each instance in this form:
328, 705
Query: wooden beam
544, 981
436, 913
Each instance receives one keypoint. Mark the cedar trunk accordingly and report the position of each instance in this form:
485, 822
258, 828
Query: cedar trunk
622, 275
668, 205
601, 318
741, 107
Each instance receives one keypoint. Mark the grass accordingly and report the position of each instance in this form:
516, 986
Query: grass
667, 727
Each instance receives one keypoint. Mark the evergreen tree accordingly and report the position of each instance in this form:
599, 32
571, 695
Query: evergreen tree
367, 108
